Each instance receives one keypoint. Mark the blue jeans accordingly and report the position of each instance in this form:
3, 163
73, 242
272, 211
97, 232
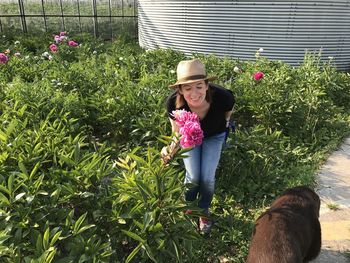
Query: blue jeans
201, 165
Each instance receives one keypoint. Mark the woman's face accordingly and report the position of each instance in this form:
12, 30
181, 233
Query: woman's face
194, 93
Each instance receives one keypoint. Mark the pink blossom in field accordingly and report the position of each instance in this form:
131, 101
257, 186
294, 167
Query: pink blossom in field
72, 43
3, 58
62, 33
182, 116
53, 48
258, 75
62, 38
57, 39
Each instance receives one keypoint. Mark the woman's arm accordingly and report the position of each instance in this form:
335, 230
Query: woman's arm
169, 151
227, 117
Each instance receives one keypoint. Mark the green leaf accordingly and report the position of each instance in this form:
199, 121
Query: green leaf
55, 238
178, 256
4, 190
18, 235
46, 239
4, 199
3, 136
35, 169
55, 193
11, 126
10, 183
66, 160
19, 196
22, 110
150, 252
147, 219
138, 159
133, 253
78, 224
51, 255
23, 168
77, 152
3, 237
134, 236
142, 192
39, 243
122, 164
85, 228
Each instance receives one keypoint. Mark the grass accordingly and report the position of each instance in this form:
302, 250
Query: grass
333, 207
347, 253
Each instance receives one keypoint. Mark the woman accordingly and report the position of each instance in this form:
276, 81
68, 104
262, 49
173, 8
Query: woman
213, 105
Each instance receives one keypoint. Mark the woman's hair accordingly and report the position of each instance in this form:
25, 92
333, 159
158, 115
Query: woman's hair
180, 100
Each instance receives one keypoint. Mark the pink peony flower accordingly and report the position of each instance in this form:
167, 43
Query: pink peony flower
62, 38
258, 75
3, 58
182, 116
192, 134
72, 43
57, 39
53, 48
62, 33
190, 128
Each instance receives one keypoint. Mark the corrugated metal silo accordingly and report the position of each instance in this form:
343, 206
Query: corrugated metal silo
284, 29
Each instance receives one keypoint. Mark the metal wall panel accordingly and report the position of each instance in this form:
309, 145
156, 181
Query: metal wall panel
284, 29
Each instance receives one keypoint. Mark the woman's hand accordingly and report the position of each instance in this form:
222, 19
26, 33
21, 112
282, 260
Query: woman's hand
169, 151
166, 156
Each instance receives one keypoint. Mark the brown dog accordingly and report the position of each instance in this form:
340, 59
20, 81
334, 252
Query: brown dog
288, 232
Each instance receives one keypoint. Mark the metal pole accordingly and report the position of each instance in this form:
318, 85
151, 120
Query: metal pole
110, 18
22, 15
44, 15
79, 17
122, 17
136, 19
64, 26
94, 10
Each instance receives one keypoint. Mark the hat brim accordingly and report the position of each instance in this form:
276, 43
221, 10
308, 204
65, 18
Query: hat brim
175, 85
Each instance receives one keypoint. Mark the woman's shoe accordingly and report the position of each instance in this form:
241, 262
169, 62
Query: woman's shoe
205, 225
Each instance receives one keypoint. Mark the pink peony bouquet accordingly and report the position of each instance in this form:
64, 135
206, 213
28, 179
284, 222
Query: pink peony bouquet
189, 128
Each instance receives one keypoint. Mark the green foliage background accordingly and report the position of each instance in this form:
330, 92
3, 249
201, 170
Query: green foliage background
81, 178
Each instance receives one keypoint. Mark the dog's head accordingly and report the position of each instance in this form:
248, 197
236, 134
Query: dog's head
311, 199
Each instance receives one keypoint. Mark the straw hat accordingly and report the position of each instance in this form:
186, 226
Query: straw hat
190, 71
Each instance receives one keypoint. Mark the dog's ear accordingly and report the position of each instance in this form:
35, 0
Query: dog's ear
315, 202
318, 206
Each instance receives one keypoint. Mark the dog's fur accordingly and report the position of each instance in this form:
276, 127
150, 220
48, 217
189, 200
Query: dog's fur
288, 232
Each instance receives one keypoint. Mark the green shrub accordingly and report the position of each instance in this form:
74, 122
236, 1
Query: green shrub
81, 178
